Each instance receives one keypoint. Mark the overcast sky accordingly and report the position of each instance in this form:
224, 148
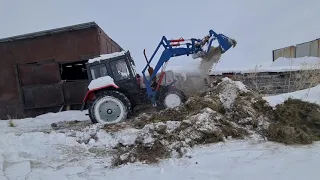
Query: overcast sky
258, 26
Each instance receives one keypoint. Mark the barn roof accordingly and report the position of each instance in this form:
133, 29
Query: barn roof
51, 31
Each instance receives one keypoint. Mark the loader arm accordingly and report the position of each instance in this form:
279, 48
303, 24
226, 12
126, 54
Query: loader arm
172, 48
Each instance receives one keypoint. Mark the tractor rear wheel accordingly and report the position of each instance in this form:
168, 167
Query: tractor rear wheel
109, 107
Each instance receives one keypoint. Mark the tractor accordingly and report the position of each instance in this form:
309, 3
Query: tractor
115, 87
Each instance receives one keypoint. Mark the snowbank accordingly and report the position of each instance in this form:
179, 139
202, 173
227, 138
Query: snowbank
42, 122
54, 156
311, 95
280, 65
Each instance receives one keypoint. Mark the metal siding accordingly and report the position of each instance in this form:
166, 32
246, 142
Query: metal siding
19, 49
308, 49
107, 45
39, 49
303, 50
8, 86
314, 47
9, 97
37, 74
74, 92
88, 44
51, 31
43, 96
318, 48
67, 46
287, 52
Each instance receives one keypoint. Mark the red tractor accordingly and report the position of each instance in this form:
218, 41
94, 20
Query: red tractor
115, 88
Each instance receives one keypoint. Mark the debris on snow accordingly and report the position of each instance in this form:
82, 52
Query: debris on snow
225, 110
296, 122
210, 117
230, 91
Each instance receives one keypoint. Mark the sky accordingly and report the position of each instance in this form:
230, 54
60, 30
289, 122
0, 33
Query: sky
258, 26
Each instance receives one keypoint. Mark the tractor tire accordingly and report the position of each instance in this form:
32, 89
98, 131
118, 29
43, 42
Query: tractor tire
172, 98
109, 107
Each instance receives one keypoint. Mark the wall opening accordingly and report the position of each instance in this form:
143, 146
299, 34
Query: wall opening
73, 71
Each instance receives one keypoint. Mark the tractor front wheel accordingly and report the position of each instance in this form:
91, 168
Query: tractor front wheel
109, 107
173, 98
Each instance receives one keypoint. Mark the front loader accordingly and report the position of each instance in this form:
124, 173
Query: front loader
115, 88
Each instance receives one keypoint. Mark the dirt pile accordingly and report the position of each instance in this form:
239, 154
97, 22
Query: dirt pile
226, 110
175, 137
296, 122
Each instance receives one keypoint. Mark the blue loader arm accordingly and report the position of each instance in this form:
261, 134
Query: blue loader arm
173, 50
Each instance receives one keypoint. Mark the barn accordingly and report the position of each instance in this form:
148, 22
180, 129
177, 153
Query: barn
45, 71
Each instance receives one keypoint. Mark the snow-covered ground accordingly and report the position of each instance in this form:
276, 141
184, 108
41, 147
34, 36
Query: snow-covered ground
35, 156
41, 123
310, 95
31, 150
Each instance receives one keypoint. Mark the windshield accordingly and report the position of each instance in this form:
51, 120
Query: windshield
98, 71
120, 70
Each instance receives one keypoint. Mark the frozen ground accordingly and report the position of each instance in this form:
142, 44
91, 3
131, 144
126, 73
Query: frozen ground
35, 156
32, 150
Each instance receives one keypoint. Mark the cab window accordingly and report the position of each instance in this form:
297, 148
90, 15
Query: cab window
120, 70
98, 71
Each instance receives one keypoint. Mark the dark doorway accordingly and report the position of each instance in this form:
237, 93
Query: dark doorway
74, 71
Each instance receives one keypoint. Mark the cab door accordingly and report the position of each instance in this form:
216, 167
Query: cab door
123, 75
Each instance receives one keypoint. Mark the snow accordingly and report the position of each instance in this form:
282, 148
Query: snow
310, 95
107, 56
27, 152
280, 65
230, 92
37, 155
42, 122
101, 82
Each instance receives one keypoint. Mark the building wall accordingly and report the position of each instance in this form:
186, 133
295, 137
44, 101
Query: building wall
308, 49
107, 45
311, 49
287, 52
30, 81
9, 94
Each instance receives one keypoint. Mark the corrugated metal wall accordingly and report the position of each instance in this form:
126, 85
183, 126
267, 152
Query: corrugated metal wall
288, 52
107, 45
308, 49
31, 75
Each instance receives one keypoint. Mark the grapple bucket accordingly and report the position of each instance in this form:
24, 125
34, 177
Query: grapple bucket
225, 42
208, 51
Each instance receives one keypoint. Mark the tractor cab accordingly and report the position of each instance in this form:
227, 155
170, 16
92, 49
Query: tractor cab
115, 88
121, 68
